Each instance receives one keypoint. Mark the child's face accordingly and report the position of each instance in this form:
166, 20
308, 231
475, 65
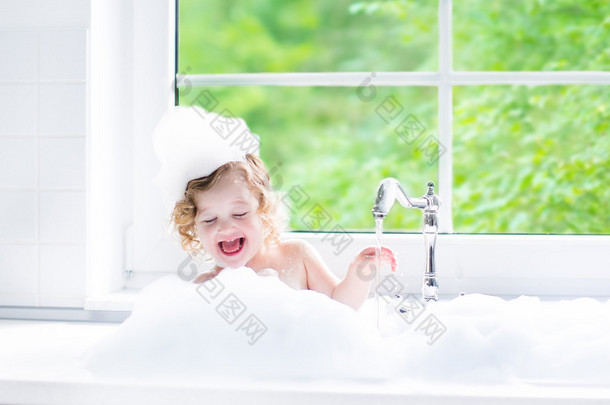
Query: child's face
228, 225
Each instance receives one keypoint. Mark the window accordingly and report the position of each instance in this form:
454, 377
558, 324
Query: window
306, 36
345, 93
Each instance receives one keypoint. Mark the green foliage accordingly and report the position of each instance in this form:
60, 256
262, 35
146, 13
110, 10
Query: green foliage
532, 159
230, 36
527, 159
531, 35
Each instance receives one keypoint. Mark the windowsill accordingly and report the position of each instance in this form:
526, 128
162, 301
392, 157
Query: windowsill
122, 300
548, 266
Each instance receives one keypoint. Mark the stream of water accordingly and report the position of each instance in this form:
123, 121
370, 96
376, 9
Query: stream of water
378, 233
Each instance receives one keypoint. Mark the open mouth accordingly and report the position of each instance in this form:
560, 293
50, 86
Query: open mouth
231, 247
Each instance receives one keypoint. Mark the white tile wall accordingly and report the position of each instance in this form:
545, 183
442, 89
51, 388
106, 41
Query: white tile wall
62, 162
44, 14
62, 278
18, 103
62, 109
43, 107
60, 54
17, 216
61, 216
18, 275
20, 49
18, 157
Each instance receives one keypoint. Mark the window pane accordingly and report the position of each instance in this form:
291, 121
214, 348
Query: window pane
531, 35
532, 159
231, 36
328, 148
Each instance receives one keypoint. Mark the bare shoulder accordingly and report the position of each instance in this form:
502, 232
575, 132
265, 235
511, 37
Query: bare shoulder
300, 250
291, 245
318, 275
297, 247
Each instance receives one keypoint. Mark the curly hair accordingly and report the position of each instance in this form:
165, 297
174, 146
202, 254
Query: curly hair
257, 178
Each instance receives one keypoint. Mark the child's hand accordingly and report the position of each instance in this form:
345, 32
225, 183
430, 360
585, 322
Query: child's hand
354, 288
365, 262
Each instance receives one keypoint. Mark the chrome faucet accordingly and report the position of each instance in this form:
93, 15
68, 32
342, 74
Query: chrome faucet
391, 190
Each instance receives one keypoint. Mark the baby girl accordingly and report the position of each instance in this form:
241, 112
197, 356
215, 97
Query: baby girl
229, 211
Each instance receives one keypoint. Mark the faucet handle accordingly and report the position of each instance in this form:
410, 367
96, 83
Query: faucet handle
433, 201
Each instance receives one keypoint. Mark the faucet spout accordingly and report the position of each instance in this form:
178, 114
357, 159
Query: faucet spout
390, 190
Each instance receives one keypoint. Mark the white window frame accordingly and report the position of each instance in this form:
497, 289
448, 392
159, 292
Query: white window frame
132, 51
507, 265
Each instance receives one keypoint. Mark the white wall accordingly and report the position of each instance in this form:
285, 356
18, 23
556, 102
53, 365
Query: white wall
82, 85
43, 137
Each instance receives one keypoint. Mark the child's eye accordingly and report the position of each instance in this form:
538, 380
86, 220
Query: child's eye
209, 221
240, 215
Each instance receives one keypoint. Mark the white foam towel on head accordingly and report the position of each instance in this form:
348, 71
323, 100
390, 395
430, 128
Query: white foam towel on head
191, 143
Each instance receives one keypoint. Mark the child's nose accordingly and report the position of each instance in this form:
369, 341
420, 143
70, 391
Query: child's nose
225, 225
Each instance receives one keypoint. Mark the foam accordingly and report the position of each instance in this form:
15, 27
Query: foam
174, 333
173, 329
191, 142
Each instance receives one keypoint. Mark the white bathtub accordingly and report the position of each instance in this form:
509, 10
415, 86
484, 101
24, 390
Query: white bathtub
39, 360
39, 364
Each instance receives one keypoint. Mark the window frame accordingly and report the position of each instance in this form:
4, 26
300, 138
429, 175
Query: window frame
531, 263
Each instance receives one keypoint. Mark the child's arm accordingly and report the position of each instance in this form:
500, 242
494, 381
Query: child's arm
354, 288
